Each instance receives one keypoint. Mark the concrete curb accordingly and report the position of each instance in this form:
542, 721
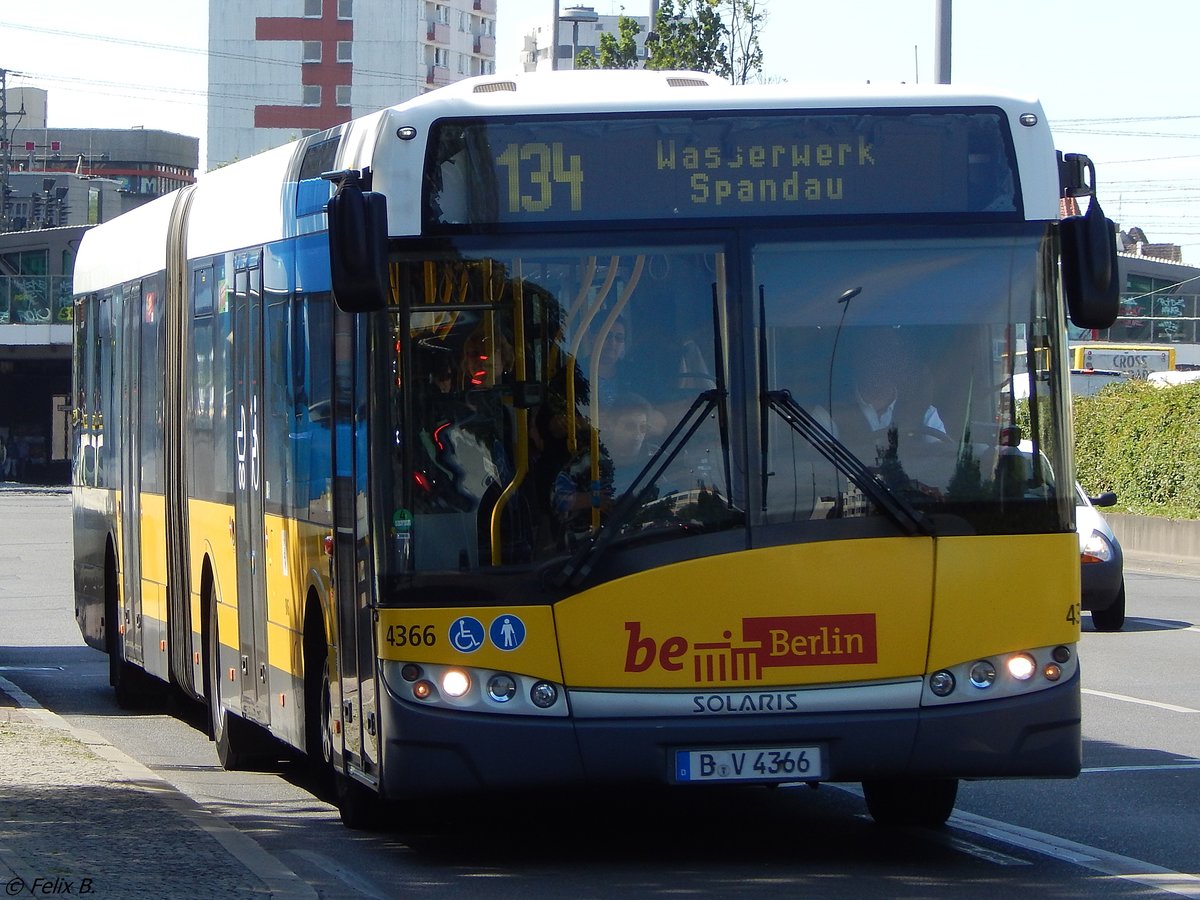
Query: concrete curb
1157, 544
143, 784
1160, 536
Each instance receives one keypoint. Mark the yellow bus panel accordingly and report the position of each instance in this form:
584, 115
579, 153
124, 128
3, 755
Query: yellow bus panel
817, 613
473, 636
210, 531
999, 593
153, 537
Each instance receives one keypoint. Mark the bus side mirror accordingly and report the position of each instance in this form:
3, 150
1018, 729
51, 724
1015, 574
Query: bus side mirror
358, 248
1089, 252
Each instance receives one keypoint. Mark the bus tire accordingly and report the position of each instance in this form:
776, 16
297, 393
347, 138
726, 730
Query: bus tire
132, 687
226, 729
360, 807
924, 802
318, 728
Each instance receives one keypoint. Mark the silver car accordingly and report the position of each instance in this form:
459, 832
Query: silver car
1102, 567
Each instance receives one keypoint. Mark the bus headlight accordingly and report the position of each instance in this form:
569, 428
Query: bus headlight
455, 682
983, 674
941, 683
543, 695
1021, 666
474, 690
501, 688
1005, 675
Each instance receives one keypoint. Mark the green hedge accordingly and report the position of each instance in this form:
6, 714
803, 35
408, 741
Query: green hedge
1143, 443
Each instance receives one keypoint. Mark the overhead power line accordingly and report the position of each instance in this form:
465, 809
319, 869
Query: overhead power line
200, 51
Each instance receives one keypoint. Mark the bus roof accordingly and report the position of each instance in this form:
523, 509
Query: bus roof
252, 202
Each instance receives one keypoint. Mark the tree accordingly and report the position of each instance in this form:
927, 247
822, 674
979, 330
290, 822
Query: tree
691, 38
717, 36
619, 52
746, 20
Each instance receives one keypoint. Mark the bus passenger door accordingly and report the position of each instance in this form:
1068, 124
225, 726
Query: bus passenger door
127, 420
353, 560
248, 500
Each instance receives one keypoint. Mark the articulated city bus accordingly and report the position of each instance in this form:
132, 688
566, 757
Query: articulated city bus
602, 428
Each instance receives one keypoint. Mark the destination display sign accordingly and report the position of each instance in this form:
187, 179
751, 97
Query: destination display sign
724, 165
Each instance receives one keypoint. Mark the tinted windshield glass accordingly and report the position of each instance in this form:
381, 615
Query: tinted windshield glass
905, 352
530, 391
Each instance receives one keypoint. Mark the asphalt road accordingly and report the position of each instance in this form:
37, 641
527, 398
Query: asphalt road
1126, 827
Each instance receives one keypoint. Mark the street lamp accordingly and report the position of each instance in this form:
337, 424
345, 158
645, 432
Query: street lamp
574, 15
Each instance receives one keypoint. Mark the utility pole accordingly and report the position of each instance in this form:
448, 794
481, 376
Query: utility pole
5, 155
941, 59
554, 40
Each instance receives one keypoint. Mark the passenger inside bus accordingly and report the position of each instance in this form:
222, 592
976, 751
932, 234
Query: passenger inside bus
581, 486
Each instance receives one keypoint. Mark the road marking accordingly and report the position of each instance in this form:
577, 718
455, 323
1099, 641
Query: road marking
279, 880
1170, 707
1165, 767
351, 879
1124, 867
987, 855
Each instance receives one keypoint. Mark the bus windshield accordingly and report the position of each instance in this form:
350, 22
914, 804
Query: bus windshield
903, 352
540, 397
543, 385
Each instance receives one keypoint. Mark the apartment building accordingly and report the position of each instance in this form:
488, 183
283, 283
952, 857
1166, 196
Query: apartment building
281, 69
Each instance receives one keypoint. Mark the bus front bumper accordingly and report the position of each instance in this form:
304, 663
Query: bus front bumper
429, 750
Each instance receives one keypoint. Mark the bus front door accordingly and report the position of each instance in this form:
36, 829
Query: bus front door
354, 569
248, 488
127, 419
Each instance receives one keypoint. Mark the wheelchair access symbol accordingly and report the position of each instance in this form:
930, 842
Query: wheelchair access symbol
466, 634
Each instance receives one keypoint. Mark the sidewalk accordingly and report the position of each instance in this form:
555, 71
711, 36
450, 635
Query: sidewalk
80, 818
1147, 563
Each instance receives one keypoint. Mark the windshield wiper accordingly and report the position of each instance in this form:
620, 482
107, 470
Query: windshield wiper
584, 560
823, 440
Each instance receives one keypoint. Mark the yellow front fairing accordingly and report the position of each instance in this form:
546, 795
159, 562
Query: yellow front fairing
516, 639
1000, 593
815, 613
809, 614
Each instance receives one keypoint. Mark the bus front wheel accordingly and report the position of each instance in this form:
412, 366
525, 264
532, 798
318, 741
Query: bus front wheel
225, 729
925, 802
359, 807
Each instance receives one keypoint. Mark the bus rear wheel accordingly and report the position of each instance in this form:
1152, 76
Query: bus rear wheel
132, 687
924, 802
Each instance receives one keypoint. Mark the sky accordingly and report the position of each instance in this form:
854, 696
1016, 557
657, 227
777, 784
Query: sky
1116, 79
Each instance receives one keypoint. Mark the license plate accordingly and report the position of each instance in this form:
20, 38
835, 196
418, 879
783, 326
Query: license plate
749, 764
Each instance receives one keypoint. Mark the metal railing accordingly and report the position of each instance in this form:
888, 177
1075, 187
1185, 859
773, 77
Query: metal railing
1155, 319
35, 300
